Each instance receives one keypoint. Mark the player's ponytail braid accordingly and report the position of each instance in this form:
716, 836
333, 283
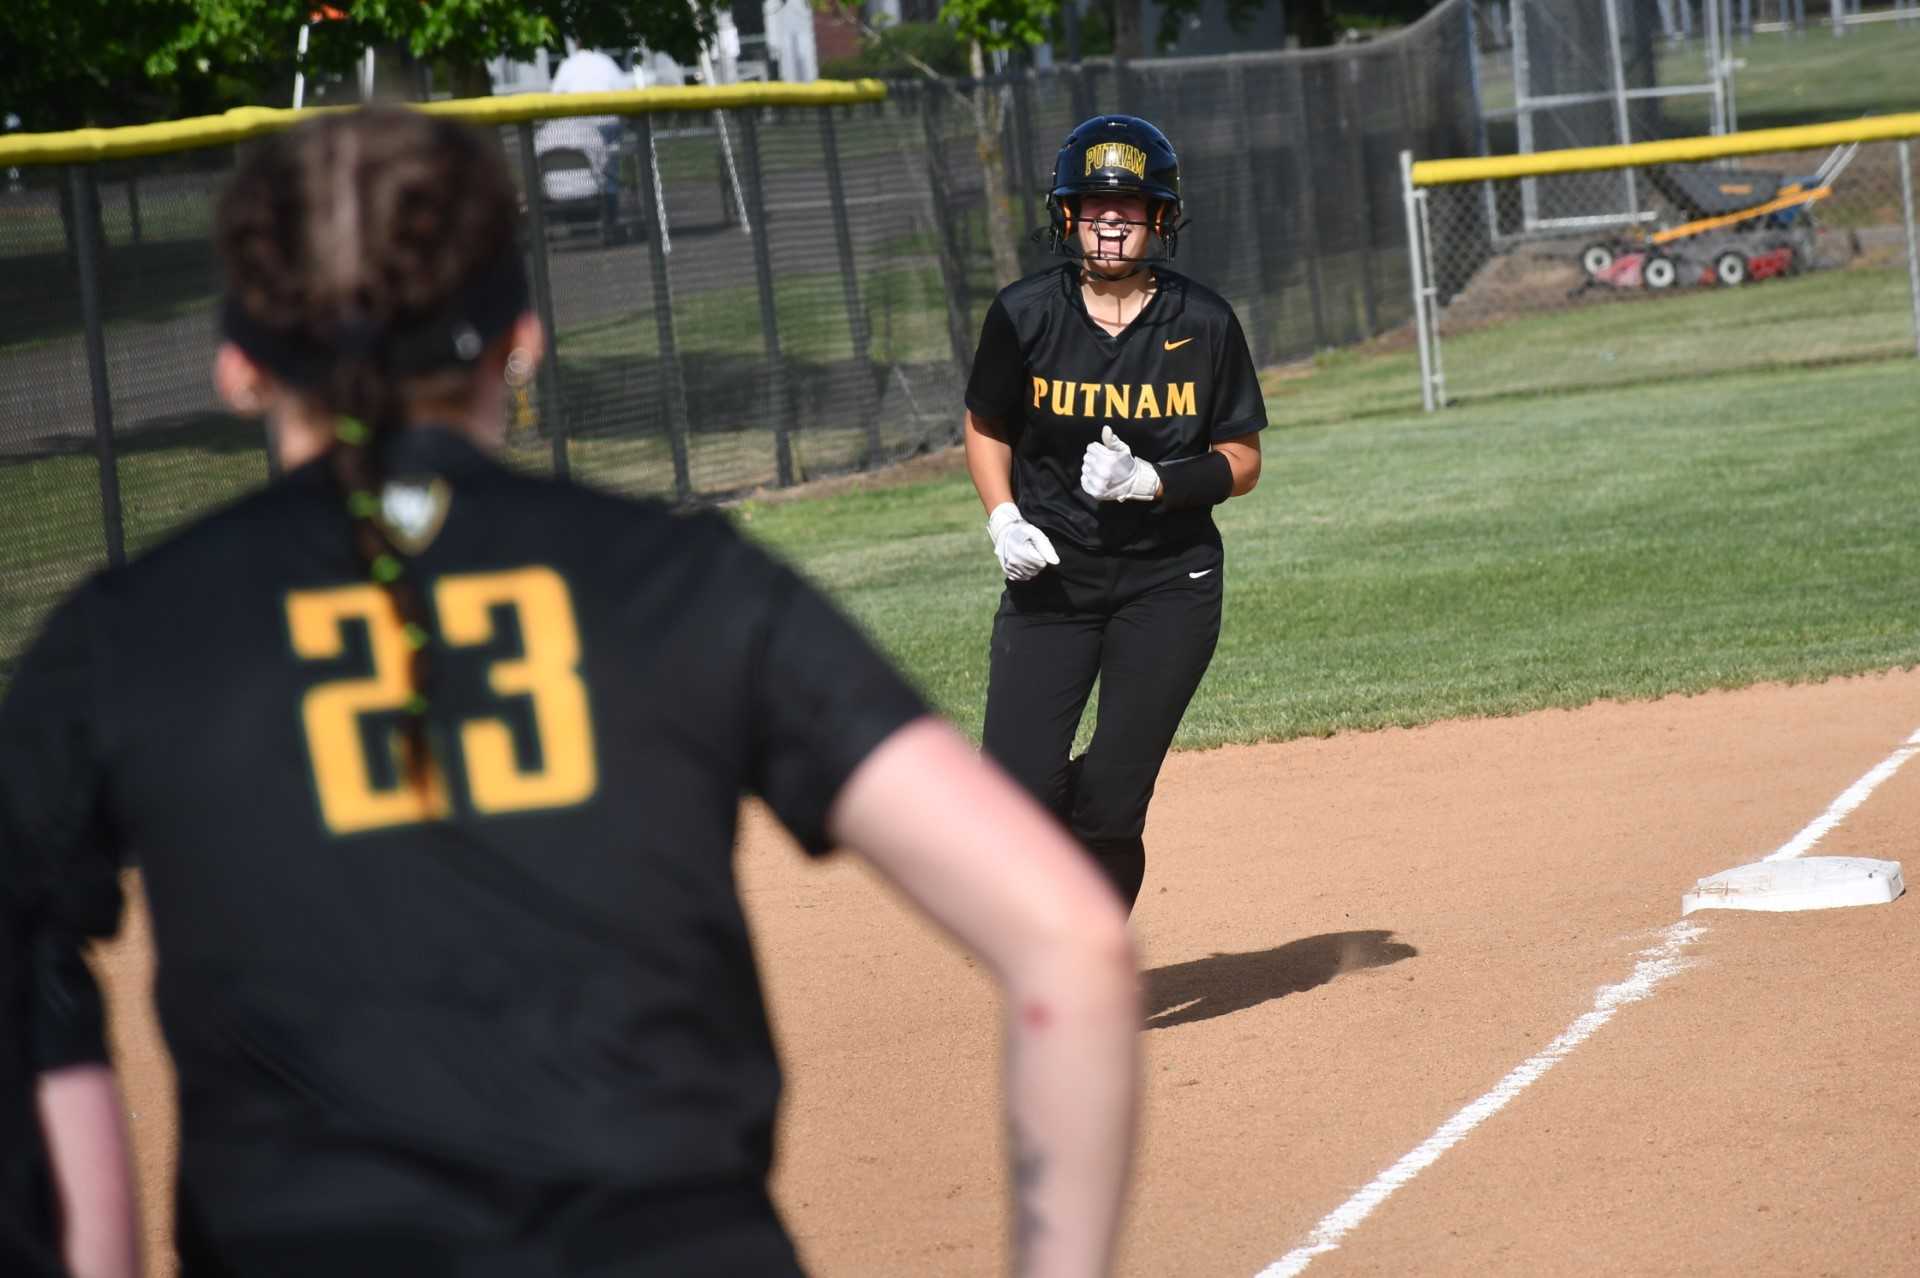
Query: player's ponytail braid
342, 239
372, 410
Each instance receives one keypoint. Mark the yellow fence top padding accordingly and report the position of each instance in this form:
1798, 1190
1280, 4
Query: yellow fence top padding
1876, 128
87, 145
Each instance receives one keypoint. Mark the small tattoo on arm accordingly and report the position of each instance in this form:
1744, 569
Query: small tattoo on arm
1029, 1169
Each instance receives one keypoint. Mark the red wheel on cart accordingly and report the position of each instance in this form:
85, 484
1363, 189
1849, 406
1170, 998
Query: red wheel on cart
1730, 268
1659, 272
1595, 259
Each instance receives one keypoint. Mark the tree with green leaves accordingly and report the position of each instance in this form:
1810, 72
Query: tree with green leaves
997, 26
69, 63
65, 63
987, 27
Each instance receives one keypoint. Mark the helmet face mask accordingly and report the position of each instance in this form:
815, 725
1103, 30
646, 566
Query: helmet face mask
1115, 154
1110, 231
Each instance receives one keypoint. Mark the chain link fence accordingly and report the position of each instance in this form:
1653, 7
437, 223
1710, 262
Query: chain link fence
735, 298
1784, 259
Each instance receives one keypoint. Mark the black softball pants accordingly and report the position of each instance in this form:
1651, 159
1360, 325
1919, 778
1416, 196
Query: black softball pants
1147, 628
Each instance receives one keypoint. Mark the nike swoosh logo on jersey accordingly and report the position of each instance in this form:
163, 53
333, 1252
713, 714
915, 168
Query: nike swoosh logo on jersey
1174, 346
1197, 575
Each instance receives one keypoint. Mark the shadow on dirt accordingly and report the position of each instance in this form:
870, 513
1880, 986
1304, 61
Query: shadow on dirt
1222, 984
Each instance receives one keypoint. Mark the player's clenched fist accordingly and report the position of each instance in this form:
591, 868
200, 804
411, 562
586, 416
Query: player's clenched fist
1024, 550
1110, 471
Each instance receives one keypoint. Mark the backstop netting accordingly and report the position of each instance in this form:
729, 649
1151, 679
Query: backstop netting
748, 296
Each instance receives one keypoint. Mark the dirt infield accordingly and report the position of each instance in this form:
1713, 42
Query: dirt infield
1348, 940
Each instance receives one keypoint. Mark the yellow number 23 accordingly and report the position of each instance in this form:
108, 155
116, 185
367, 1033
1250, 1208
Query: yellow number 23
546, 673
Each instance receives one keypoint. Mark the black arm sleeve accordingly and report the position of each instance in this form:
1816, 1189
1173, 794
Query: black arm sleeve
999, 375
29, 1235
1239, 406
69, 1019
1193, 483
59, 877
824, 700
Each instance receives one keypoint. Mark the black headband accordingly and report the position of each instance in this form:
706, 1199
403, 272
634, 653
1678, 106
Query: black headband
481, 309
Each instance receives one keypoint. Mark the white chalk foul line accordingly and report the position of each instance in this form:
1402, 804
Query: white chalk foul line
1854, 795
1655, 966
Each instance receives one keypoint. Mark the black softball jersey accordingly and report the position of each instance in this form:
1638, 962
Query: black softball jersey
514, 1004
1178, 380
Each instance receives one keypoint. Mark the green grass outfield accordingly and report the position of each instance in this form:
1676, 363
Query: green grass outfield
1485, 561
1630, 339
1392, 568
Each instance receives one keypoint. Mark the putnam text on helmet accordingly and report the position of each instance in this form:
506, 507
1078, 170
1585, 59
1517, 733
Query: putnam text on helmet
1116, 155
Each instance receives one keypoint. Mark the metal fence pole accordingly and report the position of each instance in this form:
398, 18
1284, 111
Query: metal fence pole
1013, 139
1080, 91
1523, 120
953, 274
1481, 146
1733, 88
1913, 247
1308, 191
779, 401
85, 194
1622, 125
1405, 80
1717, 68
1250, 231
654, 227
1423, 205
1415, 265
552, 402
1353, 116
849, 280
1035, 181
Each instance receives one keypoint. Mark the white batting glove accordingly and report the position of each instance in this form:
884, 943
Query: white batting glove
1110, 471
1024, 550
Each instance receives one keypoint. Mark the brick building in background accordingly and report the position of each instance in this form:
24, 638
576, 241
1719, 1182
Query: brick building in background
834, 36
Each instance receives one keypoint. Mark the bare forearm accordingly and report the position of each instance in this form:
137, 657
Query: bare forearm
1072, 1086
86, 1138
989, 462
1243, 458
1002, 875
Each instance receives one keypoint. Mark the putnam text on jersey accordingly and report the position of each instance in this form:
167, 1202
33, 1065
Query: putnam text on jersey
1136, 402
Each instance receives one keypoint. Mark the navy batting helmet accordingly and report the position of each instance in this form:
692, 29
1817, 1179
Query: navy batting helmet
1120, 153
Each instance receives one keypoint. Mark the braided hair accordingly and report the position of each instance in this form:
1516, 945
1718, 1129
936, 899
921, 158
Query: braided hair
370, 257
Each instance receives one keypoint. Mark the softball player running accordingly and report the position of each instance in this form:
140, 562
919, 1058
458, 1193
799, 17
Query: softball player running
432, 769
1112, 404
